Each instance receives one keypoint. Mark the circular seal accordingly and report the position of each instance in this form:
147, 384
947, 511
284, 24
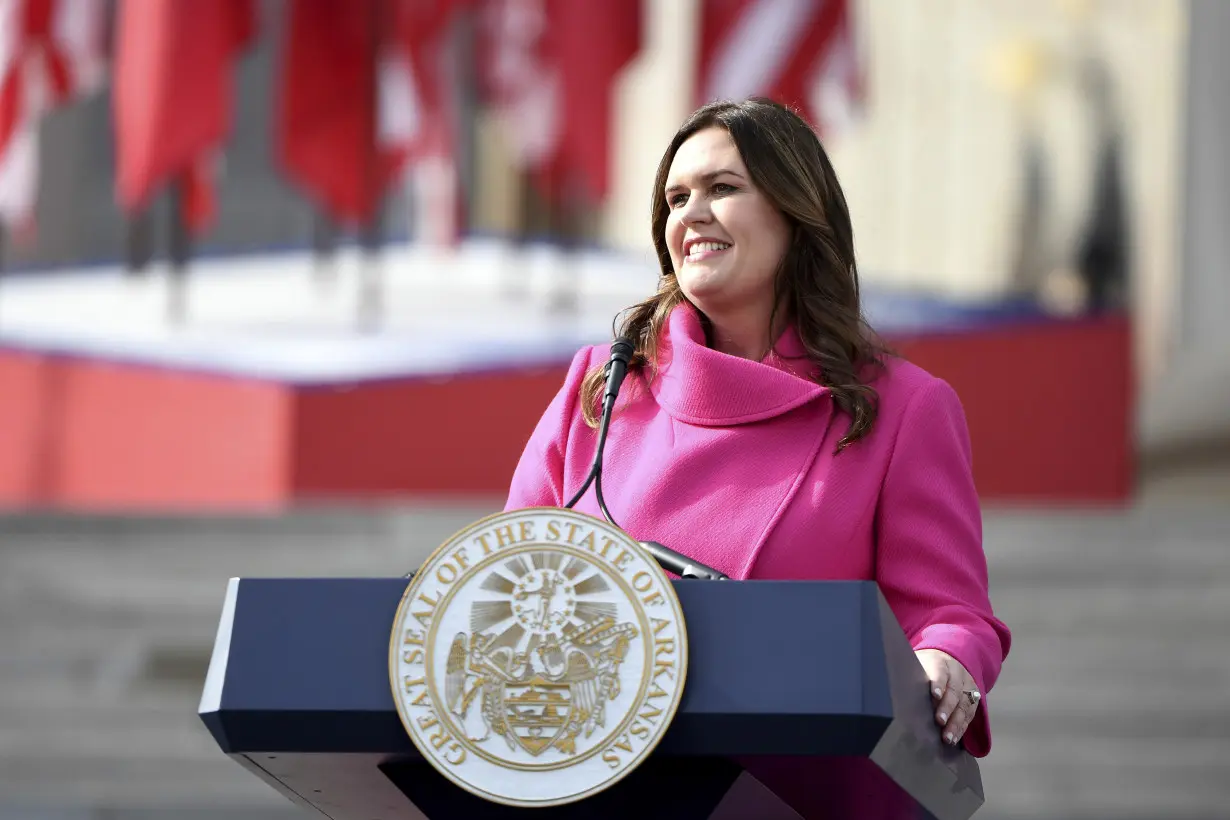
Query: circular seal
538, 657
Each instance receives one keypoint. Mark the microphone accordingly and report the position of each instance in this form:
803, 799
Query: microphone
680, 564
621, 354
622, 350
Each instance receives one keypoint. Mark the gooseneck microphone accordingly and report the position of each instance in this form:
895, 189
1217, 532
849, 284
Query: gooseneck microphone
622, 350
616, 369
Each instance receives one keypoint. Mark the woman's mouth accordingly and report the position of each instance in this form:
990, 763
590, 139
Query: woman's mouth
699, 251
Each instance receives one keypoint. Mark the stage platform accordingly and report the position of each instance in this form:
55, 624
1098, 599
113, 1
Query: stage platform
271, 395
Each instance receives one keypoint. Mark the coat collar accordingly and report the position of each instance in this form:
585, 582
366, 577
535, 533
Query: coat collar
699, 385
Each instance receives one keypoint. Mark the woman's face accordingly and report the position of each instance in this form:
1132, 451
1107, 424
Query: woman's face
726, 239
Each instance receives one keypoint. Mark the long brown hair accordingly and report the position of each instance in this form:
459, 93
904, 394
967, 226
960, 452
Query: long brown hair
817, 281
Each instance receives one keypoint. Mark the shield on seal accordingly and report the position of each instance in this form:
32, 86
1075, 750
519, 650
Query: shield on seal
537, 711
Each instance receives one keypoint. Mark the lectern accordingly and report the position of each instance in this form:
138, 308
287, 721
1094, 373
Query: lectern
803, 699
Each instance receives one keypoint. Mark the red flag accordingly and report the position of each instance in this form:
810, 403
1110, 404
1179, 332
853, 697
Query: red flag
520, 80
592, 44
173, 96
417, 60
551, 67
51, 52
803, 53
327, 127
418, 116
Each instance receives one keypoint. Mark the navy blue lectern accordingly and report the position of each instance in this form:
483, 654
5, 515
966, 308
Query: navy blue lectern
803, 699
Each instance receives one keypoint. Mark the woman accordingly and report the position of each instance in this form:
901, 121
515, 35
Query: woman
761, 430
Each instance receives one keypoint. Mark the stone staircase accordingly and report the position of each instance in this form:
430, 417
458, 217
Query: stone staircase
1115, 702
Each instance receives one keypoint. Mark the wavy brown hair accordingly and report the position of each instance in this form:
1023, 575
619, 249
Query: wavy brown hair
817, 281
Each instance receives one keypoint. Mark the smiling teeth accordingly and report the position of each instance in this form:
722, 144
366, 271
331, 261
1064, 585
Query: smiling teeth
704, 247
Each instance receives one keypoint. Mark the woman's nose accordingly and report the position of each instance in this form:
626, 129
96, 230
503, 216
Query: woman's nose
695, 210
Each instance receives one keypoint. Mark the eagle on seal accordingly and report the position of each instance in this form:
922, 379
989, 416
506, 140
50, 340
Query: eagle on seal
471, 672
587, 661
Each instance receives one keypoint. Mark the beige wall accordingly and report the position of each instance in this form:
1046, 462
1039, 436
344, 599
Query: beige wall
933, 175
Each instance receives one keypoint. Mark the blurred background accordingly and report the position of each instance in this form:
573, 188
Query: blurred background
284, 286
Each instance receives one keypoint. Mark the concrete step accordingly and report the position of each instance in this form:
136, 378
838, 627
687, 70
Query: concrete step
1075, 775
102, 782
1114, 702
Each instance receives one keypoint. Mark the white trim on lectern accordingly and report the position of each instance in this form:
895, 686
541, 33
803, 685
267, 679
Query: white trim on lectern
215, 678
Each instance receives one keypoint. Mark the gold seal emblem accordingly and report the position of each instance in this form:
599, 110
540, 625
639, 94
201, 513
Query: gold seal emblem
538, 657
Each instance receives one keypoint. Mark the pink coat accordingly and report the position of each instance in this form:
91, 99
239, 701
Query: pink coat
732, 462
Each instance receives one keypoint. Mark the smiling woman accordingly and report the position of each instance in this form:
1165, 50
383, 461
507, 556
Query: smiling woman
726, 240
754, 176
765, 432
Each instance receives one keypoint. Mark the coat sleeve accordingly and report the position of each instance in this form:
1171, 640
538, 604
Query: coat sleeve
930, 562
538, 480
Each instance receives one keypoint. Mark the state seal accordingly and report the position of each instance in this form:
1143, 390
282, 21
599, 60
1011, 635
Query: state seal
538, 657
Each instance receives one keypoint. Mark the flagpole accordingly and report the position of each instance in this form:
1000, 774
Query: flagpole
324, 247
179, 248
4, 236
371, 279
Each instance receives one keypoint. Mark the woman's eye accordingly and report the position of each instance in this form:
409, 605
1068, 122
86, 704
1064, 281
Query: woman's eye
723, 188
677, 200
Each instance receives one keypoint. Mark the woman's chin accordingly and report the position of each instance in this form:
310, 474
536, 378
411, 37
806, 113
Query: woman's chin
701, 285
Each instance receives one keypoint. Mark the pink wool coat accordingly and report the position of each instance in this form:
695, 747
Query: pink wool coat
732, 462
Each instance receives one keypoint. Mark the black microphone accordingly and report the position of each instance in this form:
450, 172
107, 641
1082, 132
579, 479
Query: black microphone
622, 350
680, 564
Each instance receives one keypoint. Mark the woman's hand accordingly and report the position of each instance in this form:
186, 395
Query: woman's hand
953, 691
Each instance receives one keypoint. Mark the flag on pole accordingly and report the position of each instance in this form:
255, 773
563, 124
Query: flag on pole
802, 53
327, 109
173, 98
550, 69
418, 112
52, 52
